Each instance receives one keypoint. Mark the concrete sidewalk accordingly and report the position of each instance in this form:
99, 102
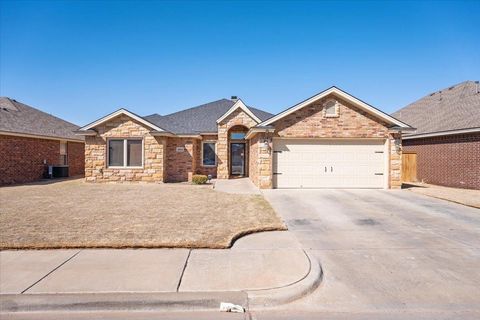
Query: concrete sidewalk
258, 265
467, 197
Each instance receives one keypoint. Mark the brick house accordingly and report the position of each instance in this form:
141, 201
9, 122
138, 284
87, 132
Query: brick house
330, 140
446, 142
32, 140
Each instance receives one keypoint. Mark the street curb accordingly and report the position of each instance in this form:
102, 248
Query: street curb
260, 299
157, 301
163, 301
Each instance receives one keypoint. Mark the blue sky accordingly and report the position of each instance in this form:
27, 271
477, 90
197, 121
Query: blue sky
82, 60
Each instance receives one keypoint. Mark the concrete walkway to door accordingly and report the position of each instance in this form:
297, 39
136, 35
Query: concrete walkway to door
238, 185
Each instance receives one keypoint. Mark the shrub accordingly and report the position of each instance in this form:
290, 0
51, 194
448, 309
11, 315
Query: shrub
199, 179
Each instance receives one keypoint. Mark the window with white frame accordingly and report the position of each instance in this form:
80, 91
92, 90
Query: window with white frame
331, 109
209, 158
125, 153
63, 153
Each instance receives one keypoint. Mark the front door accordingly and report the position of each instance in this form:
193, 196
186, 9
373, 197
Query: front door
237, 159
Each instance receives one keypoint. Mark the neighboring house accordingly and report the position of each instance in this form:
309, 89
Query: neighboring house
331, 140
31, 140
446, 144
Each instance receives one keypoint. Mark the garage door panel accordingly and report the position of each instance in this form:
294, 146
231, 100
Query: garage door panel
328, 163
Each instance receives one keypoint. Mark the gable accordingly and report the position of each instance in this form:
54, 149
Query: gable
346, 97
239, 105
311, 121
120, 112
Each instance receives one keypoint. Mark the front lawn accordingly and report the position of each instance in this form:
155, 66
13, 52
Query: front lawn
74, 214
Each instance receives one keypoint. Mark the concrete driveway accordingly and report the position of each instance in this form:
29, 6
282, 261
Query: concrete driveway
385, 252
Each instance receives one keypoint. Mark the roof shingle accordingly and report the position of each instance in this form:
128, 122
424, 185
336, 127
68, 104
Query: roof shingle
16, 117
453, 108
200, 119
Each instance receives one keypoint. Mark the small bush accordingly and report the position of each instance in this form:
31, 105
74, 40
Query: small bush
199, 179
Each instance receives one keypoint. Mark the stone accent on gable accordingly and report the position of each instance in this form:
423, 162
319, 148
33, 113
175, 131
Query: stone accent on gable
96, 167
238, 117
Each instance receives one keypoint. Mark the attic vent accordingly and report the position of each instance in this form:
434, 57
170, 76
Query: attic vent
6, 104
234, 98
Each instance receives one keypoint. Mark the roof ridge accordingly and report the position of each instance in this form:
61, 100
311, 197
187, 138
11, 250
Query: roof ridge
197, 107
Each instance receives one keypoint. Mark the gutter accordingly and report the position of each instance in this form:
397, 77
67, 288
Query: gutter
441, 133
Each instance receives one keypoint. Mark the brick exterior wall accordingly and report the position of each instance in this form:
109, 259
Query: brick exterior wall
236, 118
452, 161
181, 165
76, 158
200, 169
311, 122
22, 158
96, 169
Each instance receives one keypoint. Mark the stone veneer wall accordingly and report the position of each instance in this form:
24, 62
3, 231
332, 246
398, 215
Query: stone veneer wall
236, 118
352, 122
96, 169
260, 162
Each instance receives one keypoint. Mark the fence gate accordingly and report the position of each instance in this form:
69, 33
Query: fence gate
409, 166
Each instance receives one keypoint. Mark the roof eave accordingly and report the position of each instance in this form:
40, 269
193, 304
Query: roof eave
254, 130
441, 133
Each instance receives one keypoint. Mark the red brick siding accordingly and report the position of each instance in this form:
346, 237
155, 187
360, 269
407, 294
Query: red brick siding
452, 161
76, 158
21, 158
180, 165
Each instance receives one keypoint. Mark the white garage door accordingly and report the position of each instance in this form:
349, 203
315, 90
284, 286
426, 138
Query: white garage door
311, 163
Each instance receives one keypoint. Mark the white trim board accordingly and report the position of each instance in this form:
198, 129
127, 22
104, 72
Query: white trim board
342, 94
440, 133
116, 114
241, 105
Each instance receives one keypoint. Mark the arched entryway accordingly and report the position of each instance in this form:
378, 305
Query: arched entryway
238, 151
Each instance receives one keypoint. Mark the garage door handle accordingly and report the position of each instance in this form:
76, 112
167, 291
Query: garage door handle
331, 169
325, 169
276, 173
379, 174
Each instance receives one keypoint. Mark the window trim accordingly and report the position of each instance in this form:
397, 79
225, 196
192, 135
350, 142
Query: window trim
125, 153
201, 154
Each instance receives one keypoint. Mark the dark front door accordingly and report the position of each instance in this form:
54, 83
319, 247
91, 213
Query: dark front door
237, 159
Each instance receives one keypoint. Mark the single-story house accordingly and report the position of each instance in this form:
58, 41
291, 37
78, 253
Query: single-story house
32, 140
445, 147
330, 140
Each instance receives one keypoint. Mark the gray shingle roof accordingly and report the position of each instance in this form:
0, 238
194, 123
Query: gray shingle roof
17, 117
198, 119
453, 108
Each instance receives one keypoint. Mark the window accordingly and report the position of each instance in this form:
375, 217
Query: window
331, 108
209, 157
125, 153
63, 153
237, 135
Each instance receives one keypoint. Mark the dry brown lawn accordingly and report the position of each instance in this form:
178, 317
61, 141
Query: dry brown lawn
74, 214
